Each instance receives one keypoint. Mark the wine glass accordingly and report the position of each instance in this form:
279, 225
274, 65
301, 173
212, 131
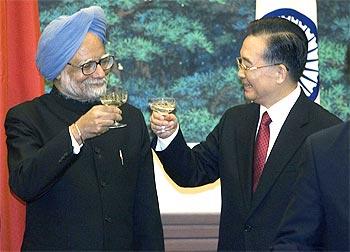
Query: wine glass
163, 105
116, 96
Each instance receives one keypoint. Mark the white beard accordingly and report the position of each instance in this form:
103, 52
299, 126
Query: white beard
88, 90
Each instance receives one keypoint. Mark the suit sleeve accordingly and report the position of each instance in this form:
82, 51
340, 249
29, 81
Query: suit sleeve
34, 165
147, 225
303, 222
193, 167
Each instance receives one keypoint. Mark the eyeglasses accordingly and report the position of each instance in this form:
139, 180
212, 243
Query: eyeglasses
242, 66
106, 62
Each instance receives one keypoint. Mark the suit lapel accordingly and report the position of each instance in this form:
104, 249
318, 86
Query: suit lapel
287, 143
245, 145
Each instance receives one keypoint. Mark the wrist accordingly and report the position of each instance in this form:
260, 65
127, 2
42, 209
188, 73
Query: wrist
74, 128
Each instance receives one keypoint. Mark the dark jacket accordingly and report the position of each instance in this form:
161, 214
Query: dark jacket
248, 221
318, 215
91, 201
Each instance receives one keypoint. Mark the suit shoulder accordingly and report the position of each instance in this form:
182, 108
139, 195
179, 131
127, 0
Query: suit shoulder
323, 115
330, 149
242, 109
26, 107
339, 131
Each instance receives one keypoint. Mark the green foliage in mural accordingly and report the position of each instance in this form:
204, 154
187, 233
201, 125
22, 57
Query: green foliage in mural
332, 57
336, 99
187, 49
334, 35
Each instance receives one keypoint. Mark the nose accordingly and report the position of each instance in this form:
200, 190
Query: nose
240, 73
99, 72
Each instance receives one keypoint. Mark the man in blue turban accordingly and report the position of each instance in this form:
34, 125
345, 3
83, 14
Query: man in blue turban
62, 38
87, 187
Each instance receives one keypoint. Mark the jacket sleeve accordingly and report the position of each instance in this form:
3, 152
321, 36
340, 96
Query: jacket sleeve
147, 225
193, 167
35, 164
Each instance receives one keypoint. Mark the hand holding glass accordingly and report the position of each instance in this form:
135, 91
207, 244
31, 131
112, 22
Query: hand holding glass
162, 105
115, 96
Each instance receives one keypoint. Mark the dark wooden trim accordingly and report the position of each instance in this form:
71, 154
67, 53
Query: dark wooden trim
190, 232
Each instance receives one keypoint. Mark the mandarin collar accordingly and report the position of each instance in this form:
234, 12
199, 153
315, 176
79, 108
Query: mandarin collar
71, 104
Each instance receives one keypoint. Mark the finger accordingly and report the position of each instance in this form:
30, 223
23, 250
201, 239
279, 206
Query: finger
116, 116
109, 109
157, 116
163, 130
102, 125
159, 122
170, 117
157, 127
103, 130
164, 134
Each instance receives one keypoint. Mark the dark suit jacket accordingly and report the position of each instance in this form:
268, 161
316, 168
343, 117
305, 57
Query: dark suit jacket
318, 215
248, 222
89, 201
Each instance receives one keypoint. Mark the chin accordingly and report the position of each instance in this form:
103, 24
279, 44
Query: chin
249, 96
93, 95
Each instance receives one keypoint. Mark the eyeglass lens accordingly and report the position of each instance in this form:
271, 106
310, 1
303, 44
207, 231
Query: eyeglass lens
105, 63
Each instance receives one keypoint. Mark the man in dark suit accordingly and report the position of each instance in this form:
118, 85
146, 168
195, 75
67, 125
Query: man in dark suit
256, 179
317, 217
86, 186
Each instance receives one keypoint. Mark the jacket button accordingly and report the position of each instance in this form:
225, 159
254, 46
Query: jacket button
103, 183
108, 219
248, 228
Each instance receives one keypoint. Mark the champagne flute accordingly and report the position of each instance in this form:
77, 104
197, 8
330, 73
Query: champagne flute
116, 96
162, 105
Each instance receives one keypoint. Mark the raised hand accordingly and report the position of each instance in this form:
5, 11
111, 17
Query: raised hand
97, 121
163, 125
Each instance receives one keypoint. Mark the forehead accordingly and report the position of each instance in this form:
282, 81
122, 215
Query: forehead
91, 48
253, 47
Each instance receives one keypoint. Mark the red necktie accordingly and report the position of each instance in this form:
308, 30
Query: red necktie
260, 150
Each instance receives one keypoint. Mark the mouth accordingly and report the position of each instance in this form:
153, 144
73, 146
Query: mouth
94, 82
98, 84
247, 86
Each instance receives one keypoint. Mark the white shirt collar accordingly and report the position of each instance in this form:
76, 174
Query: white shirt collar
279, 111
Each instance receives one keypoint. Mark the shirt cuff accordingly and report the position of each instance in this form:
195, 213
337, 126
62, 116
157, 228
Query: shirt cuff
75, 145
163, 143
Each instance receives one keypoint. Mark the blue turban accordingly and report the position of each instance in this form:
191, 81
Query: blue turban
62, 38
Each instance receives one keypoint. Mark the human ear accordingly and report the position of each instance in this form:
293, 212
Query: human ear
281, 73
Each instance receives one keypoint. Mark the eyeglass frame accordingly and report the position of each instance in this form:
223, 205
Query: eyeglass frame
98, 62
243, 67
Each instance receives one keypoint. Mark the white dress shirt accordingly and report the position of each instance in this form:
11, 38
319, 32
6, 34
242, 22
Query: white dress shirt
75, 145
278, 113
162, 143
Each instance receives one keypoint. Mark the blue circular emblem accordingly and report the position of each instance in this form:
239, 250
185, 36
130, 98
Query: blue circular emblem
309, 80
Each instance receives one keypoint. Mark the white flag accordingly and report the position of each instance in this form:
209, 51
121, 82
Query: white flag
304, 14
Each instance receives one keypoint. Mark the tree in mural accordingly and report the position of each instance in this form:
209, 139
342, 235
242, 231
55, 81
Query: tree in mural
187, 49
334, 34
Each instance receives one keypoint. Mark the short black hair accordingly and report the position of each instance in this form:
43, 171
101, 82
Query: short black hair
286, 43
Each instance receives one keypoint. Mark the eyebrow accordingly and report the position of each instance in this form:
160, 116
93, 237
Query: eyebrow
247, 60
91, 59
85, 61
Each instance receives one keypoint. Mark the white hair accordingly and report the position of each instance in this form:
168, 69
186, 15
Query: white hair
87, 90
